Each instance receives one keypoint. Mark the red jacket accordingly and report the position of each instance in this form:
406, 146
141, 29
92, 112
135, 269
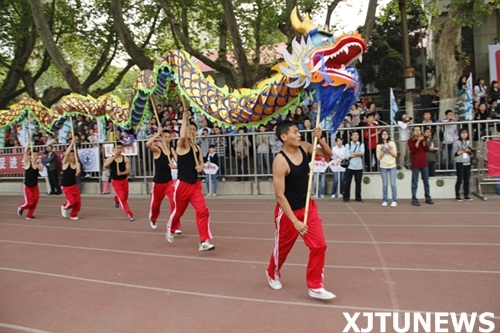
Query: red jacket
418, 156
371, 142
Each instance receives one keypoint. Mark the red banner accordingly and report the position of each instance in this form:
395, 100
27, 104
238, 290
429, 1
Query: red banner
14, 163
493, 147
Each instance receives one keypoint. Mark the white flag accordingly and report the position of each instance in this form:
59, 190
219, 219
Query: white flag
394, 108
63, 132
468, 99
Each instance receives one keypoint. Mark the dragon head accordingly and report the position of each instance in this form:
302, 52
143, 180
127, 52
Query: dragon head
320, 58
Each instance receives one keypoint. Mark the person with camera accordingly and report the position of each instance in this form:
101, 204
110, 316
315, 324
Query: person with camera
418, 147
403, 122
463, 153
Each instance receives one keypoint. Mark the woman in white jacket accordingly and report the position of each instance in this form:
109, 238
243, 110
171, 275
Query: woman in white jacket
386, 154
338, 172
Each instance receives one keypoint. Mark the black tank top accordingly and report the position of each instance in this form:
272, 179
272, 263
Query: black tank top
163, 174
296, 181
186, 167
68, 176
113, 170
31, 177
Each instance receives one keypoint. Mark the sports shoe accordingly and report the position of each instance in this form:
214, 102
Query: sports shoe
64, 212
31, 218
74, 218
429, 202
321, 293
394, 204
178, 232
153, 225
385, 204
459, 199
19, 211
206, 246
333, 196
214, 194
321, 195
169, 236
468, 199
130, 218
415, 203
274, 284
117, 205
223, 179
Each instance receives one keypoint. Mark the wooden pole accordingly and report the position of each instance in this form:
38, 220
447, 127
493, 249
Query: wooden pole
193, 144
73, 138
29, 137
311, 170
152, 102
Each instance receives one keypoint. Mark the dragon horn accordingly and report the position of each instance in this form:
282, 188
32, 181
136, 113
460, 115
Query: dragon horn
304, 27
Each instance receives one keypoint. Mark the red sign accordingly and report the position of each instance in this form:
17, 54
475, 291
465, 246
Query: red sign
14, 163
493, 147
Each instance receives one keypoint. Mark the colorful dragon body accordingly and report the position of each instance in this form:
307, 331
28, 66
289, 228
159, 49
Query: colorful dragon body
318, 63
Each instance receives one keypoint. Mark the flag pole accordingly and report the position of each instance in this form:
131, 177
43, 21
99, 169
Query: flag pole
73, 138
151, 101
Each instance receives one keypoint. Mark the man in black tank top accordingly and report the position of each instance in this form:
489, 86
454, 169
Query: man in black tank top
119, 169
290, 177
32, 167
162, 184
187, 186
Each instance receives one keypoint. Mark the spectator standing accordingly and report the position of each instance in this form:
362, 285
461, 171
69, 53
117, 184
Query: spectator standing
338, 154
419, 165
128, 141
480, 92
432, 153
403, 122
494, 92
241, 149
354, 150
461, 86
449, 136
371, 138
211, 179
387, 154
52, 170
262, 143
462, 152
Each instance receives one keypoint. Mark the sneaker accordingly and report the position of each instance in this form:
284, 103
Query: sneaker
169, 236
274, 284
459, 199
74, 218
394, 204
321, 293
385, 204
214, 194
19, 211
117, 205
223, 179
31, 218
131, 218
333, 196
64, 212
206, 246
315, 197
153, 225
429, 202
321, 196
416, 203
468, 199
178, 232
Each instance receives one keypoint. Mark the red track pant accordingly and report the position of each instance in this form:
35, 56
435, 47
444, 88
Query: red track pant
73, 199
158, 193
121, 197
285, 237
31, 195
185, 193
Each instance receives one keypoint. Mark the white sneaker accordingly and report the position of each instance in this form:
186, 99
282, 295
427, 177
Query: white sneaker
321, 196
333, 196
74, 218
64, 212
169, 236
223, 179
206, 246
274, 284
394, 204
178, 232
153, 225
385, 204
321, 293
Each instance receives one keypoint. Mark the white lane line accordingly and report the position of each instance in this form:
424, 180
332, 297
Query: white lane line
198, 294
253, 262
22, 328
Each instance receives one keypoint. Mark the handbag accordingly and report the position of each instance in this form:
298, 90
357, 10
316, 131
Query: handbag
345, 162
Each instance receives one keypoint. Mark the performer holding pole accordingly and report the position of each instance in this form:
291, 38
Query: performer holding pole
187, 187
32, 168
290, 170
70, 171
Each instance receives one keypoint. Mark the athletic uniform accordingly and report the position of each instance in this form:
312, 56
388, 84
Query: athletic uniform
187, 189
286, 234
162, 186
71, 192
120, 185
31, 192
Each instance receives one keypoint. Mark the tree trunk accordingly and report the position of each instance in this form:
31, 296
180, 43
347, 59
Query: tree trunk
446, 65
134, 51
53, 50
329, 11
370, 20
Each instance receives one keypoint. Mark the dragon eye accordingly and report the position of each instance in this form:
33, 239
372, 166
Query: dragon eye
325, 39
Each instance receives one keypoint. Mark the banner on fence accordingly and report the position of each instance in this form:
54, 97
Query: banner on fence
64, 131
90, 159
126, 151
493, 158
101, 129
